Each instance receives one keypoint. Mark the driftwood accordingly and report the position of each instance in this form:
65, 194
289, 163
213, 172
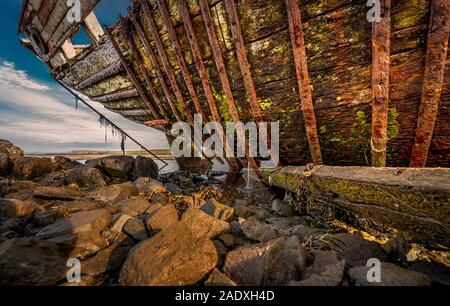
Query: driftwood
408, 201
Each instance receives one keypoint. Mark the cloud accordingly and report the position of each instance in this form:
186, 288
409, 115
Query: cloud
10, 76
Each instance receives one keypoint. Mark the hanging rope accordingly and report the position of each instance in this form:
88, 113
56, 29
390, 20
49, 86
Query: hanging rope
105, 122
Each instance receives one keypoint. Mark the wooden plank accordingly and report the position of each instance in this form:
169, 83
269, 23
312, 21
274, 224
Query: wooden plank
58, 13
165, 60
244, 65
381, 33
180, 57
68, 50
435, 61
130, 73
102, 74
93, 28
126, 32
304, 85
46, 10
406, 201
155, 64
125, 94
157, 123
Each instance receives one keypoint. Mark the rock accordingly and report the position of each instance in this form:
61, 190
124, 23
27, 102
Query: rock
173, 188
109, 259
283, 208
245, 212
391, 275
79, 235
274, 263
327, 270
11, 208
9, 155
203, 225
31, 262
227, 239
120, 167
135, 229
13, 186
31, 168
439, 273
261, 232
45, 218
114, 193
162, 218
13, 224
235, 227
174, 257
353, 249
220, 248
85, 178
217, 210
57, 193
119, 223
304, 233
86, 281
147, 186
145, 167
64, 163
134, 206
3, 186
70, 207
217, 278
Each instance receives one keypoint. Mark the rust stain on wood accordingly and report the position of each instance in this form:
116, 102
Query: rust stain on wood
304, 85
131, 74
380, 83
435, 61
164, 59
154, 61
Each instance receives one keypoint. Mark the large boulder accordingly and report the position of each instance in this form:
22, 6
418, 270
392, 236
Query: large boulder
120, 167
85, 178
276, 262
31, 262
9, 154
79, 235
204, 225
145, 167
64, 163
12, 208
176, 256
162, 218
261, 232
57, 193
147, 186
32, 168
134, 206
114, 193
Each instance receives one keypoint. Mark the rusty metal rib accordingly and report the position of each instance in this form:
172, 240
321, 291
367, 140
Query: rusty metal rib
436, 55
130, 73
304, 85
165, 60
154, 61
381, 32
125, 27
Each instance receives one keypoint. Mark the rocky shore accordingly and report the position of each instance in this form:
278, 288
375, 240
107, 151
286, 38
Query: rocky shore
128, 225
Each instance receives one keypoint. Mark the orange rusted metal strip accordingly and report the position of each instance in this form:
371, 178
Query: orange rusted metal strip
126, 32
155, 63
220, 64
244, 65
381, 45
436, 55
165, 60
130, 73
304, 85
180, 57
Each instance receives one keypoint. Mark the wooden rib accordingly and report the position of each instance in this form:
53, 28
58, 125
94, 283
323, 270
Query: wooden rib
436, 56
130, 73
244, 65
155, 63
58, 13
124, 94
102, 74
45, 11
125, 27
220, 64
381, 32
165, 60
180, 57
304, 85
93, 29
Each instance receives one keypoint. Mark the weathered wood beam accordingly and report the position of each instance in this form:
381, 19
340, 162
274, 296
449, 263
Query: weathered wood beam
130, 73
244, 65
165, 60
124, 94
93, 28
223, 76
180, 57
160, 122
408, 201
155, 63
125, 27
435, 59
68, 50
381, 42
304, 84
101, 75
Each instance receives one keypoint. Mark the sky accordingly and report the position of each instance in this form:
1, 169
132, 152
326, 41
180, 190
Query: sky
37, 114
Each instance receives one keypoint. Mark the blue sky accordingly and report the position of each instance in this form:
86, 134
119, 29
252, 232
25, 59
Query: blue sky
37, 114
